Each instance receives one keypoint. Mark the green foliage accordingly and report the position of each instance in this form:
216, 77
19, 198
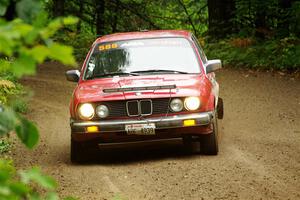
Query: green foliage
35, 175
3, 6
81, 43
7, 88
23, 46
28, 10
26, 130
20, 105
4, 145
12, 93
276, 54
24, 43
118, 197
23, 128
25, 184
27, 45
268, 22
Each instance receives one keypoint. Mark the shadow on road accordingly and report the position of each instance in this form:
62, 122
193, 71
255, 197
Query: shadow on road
138, 153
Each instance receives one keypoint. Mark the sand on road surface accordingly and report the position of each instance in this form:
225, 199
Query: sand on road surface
259, 154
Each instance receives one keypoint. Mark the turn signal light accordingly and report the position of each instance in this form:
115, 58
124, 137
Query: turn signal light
189, 122
92, 129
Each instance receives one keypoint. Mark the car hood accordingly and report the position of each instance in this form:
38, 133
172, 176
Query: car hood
186, 85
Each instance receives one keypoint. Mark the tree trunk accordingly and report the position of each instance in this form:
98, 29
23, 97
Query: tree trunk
10, 13
100, 21
283, 28
220, 18
261, 28
58, 8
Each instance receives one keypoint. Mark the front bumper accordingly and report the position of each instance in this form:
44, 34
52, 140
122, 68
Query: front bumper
201, 119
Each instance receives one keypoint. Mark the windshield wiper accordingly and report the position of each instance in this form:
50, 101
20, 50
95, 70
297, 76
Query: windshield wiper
113, 74
160, 70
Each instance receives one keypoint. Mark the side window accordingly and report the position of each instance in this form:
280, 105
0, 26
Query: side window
200, 50
91, 66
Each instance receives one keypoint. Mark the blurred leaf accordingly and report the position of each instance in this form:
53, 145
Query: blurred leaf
41, 20
24, 65
19, 188
7, 120
27, 132
3, 6
52, 196
70, 20
70, 198
36, 176
28, 9
5, 191
23, 29
5, 65
52, 28
62, 53
39, 53
6, 45
6, 170
32, 36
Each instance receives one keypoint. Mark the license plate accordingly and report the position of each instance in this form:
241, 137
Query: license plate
140, 129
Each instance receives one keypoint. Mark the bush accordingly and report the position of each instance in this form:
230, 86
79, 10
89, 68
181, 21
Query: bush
12, 93
280, 54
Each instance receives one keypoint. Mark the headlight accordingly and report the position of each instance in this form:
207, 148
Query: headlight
192, 103
176, 105
102, 111
86, 111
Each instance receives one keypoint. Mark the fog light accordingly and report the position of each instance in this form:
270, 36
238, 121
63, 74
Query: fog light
92, 129
189, 122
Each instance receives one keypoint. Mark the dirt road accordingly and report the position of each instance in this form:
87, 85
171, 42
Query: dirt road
259, 149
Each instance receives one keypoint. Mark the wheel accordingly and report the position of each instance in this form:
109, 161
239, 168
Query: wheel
76, 153
220, 108
80, 151
209, 143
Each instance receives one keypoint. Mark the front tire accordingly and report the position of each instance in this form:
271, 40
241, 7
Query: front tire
81, 151
220, 108
209, 143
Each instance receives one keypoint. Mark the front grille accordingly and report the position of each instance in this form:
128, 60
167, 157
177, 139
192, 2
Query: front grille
130, 107
146, 107
116, 108
160, 106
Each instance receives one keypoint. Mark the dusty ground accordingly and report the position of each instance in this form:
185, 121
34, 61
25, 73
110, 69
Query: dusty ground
259, 150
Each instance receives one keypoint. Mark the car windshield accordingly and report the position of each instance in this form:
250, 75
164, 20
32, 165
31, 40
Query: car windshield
142, 56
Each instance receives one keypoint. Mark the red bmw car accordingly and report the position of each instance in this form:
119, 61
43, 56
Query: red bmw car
145, 86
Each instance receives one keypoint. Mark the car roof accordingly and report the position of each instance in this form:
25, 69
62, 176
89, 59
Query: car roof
143, 34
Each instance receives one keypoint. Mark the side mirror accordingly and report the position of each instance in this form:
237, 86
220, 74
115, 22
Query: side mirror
213, 65
73, 75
